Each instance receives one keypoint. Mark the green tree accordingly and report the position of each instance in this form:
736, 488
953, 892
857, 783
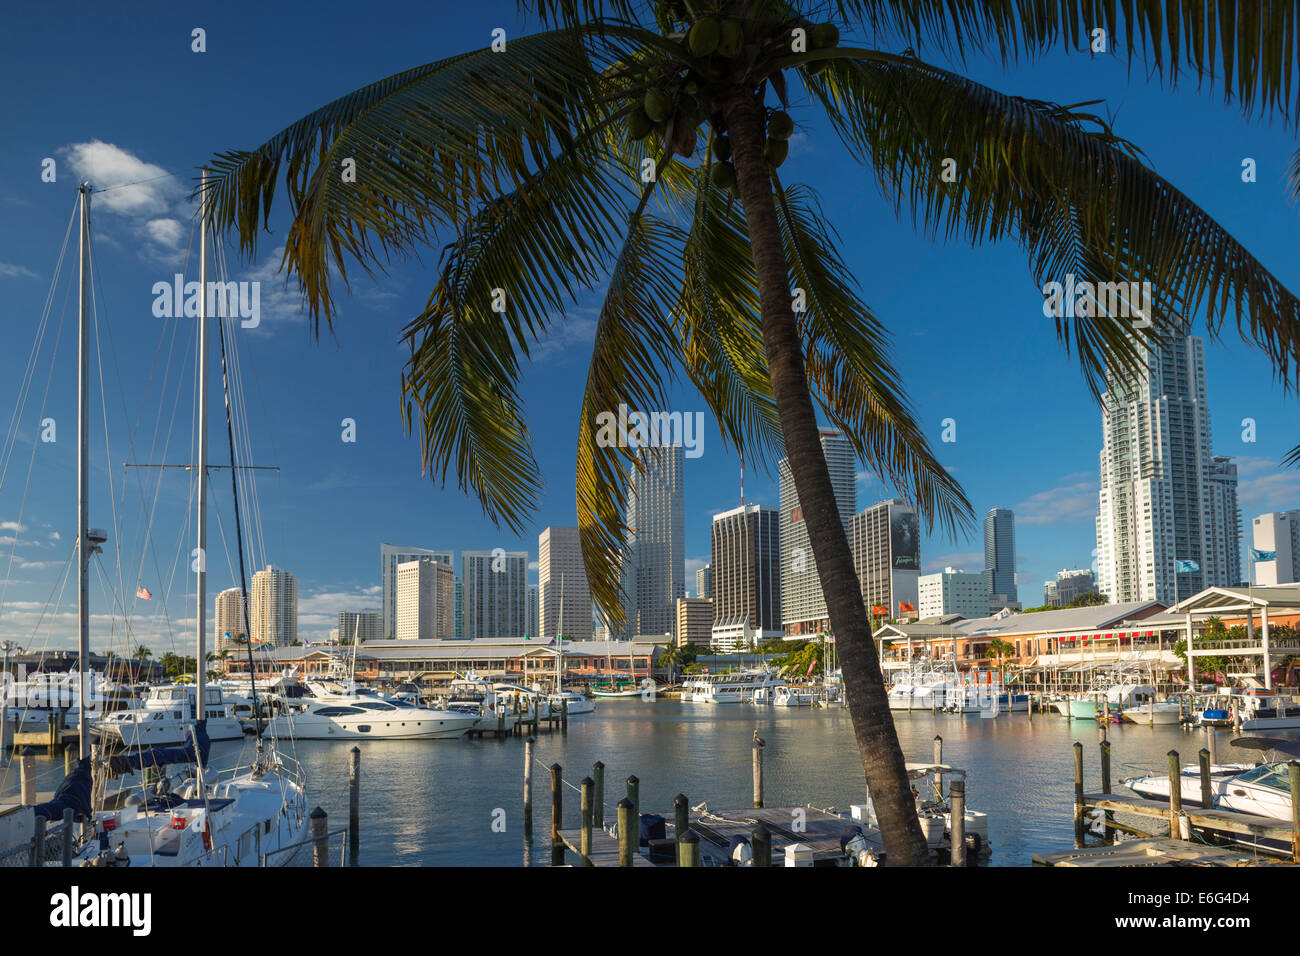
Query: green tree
670, 659
572, 160
141, 653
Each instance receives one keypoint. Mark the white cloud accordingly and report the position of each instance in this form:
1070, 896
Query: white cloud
168, 233
1263, 486
11, 271
108, 167
12, 526
972, 562
1075, 499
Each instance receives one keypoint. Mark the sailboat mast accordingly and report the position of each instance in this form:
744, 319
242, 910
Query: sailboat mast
201, 552
83, 471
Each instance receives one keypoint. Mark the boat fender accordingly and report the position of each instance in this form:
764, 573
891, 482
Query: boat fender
207, 835
974, 843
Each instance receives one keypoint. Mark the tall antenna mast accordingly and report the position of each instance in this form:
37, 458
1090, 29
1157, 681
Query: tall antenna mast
83, 473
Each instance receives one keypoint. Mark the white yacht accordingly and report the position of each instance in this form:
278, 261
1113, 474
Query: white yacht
1155, 712
1263, 710
787, 696
923, 689
472, 696
734, 687
165, 716
575, 702
362, 716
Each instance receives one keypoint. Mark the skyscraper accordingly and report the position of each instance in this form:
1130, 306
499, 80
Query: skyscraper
390, 556
1167, 524
228, 618
803, 607
495, 593
531, 627
653, 569
1278, 531
563, 594
367, 625
746, 553
1000, 558
886, 543
951, 591
273, 600
426, 595
704, 582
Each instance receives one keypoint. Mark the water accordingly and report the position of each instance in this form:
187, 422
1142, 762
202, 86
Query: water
435, 802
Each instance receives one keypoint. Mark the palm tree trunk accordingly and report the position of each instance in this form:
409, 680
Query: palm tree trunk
864, 685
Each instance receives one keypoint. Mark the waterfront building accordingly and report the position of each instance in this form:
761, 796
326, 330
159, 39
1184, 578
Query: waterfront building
426, 593
803, 606
1000, 558
885, 541
273, 611
563, 592
704, 582
1168, 525
694, 621
496, 591
365, 625
1279, 532
1068, 586
653, 568
229, 617
951, 591
390, 556
746, 563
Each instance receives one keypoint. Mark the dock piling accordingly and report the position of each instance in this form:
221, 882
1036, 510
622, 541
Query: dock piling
1175, 796
354, 805
634, 794
320, 847
1293, 769
38, 843
557, 815
1105, 766
1212, 744
627, 839
1078, 794
27, 776
938, 777
681, 818
528, 787
588, 786
761, 841
1207, 798
598, 775
758, 773
957, 828
688, 851
564, 715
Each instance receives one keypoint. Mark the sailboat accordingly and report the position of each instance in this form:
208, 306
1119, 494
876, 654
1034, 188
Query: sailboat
245, 816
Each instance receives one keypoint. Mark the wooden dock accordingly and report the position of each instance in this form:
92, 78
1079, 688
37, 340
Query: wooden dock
1198, 818
1154, 852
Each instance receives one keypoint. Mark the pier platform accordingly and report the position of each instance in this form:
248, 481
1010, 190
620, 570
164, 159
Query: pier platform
1154, 852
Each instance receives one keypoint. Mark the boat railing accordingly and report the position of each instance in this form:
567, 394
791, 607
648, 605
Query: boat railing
343, 851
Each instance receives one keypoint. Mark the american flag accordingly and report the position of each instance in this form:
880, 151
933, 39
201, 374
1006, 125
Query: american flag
143, 593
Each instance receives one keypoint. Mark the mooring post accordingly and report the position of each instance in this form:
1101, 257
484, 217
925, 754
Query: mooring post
501, 722
627, 838
67, 836
354, 805
1105, 766
27, 776
588, 786
528, 787
761, 841
564, 715
688, 851
557, 815
1078, 794
957, 828
38, 843
758, 775
938, 777
634, 794
1293, 771
598, 774
1207, 796
67, 761
320, 847
6, 729
1212, 744
52, 741
1175, 796
681, 818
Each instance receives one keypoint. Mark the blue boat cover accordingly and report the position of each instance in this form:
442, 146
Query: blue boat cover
848, 835
161, 756
736, 841
73, 794
652, 828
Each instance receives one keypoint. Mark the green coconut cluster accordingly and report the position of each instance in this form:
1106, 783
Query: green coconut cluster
678, 98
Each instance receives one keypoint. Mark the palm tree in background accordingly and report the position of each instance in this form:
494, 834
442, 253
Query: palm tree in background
141, 653
670, 658
635, 146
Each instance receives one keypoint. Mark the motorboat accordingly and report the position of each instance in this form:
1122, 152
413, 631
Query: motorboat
477, 698
1264, 710
364, 716
734, 687
574, 704
165, 716
625, 690
923, 688
1155, 712
786, 696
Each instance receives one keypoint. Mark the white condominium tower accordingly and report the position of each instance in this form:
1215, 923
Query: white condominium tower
653, 571
426, 601
803, 608
1168, 524
390, 556
366, 625
563, 594
746, 561
273, 596
1278, 531
228, 618
495, 592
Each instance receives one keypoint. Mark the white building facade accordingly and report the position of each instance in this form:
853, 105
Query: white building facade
952, 591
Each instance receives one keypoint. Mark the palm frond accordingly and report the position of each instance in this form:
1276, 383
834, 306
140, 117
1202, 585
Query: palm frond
1076, 196
1248, 48
849, 367
1292, 458
634, 352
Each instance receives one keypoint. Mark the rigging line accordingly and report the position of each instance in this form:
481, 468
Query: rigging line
31, 464
29, 371
138, 182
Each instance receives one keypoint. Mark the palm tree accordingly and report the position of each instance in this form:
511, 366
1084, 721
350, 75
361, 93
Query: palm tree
141, 653
669, 658
571, 158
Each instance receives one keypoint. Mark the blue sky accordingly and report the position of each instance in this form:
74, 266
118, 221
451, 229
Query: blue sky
117, 98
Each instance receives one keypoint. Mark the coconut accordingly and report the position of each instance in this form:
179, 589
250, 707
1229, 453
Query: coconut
780, 126
733, 38
721, 148
705, 36
825, 36
776, 151
724, 176
658, 105
639, 125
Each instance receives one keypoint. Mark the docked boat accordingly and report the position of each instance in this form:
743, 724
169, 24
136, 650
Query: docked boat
573, 702
362, 716
624, 689
734, 687
1264, 710
1155, 712
785, 696
475, 697
165, 716
923, 689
